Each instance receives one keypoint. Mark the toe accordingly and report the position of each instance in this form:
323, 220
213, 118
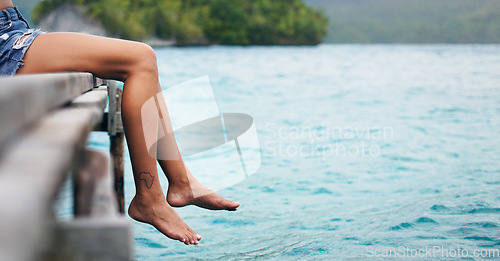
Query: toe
195, 239
191, 238
232, 206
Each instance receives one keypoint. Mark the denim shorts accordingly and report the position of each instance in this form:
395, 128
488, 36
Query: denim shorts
12, 49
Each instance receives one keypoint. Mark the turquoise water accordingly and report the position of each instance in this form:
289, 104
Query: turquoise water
364, 148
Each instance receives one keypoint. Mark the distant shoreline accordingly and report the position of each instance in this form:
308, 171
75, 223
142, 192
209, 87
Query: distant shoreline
335, 44
186, 23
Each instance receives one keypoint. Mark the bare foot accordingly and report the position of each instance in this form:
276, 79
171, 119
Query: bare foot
194, 193
160, 215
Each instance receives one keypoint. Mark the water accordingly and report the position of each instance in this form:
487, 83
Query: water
364, 148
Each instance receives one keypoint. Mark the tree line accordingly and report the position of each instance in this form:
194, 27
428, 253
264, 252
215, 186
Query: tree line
201, 22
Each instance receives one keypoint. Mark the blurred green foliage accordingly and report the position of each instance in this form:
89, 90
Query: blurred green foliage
193, 22
411, 21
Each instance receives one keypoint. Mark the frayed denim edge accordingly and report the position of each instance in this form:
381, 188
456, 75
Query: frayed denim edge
26, 44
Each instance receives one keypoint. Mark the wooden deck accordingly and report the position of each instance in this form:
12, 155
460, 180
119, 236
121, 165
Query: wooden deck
45, 121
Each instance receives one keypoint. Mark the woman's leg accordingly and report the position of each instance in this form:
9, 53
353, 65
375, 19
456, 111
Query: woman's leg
135, 65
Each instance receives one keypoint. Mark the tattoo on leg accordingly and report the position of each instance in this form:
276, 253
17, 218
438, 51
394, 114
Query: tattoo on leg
148, 178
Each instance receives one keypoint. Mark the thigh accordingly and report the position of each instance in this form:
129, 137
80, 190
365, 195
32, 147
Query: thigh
58, 52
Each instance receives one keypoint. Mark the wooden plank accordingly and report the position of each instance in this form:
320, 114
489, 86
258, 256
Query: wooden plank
25, 98
99, 81
31, 174
113, 108
44, 156
117, 155
115, 124
116, 137
94, 194
92, 238
117, 151
36, 165
22, 222
97, 97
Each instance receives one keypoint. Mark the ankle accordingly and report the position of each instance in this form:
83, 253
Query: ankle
148, 196
179, 183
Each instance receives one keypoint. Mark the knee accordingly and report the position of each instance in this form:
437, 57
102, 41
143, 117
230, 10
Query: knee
145, 61
146, 58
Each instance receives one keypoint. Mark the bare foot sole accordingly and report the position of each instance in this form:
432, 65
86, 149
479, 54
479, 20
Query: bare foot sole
200, 196
160, 215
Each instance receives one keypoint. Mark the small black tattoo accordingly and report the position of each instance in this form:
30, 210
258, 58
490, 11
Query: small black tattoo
148, 178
